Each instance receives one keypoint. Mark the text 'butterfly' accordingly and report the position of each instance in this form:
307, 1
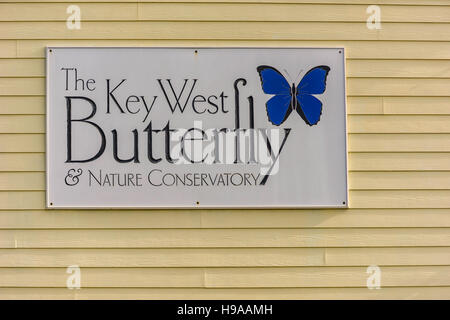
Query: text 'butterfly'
287, 98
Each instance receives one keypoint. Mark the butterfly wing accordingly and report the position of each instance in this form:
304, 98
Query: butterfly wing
279, 108
314, 82
309, 108
273, 82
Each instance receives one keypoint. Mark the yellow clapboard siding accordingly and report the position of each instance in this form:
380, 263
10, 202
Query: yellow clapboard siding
357, 142
22, 86
355, 87
289, 277
166, 257
399, 161
398, 87
17, 200
8, 48
219, 12
225, 238
355, 105
314, 277
22, 143
398, 142
395, 123
22, 200
361, 68
327, 218
22, 162
57, 11
114, 277
22, 181
22, 124
224, 257
197, 218
287, 12
356, 124
416, 105
22, 105
357, 180
397, 180
99, 219
22, 67
438, 293
226, 30
387, 256
390, 2
362, 49
400, 199
398, 68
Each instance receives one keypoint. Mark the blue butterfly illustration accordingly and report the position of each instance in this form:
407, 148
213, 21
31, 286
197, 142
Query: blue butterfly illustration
287, 98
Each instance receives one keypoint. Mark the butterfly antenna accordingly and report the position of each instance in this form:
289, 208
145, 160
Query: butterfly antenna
290, 78
296, 78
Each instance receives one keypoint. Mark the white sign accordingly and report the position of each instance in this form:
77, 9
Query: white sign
207, 127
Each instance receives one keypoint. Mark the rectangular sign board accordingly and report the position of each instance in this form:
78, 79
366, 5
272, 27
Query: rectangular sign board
186, 127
